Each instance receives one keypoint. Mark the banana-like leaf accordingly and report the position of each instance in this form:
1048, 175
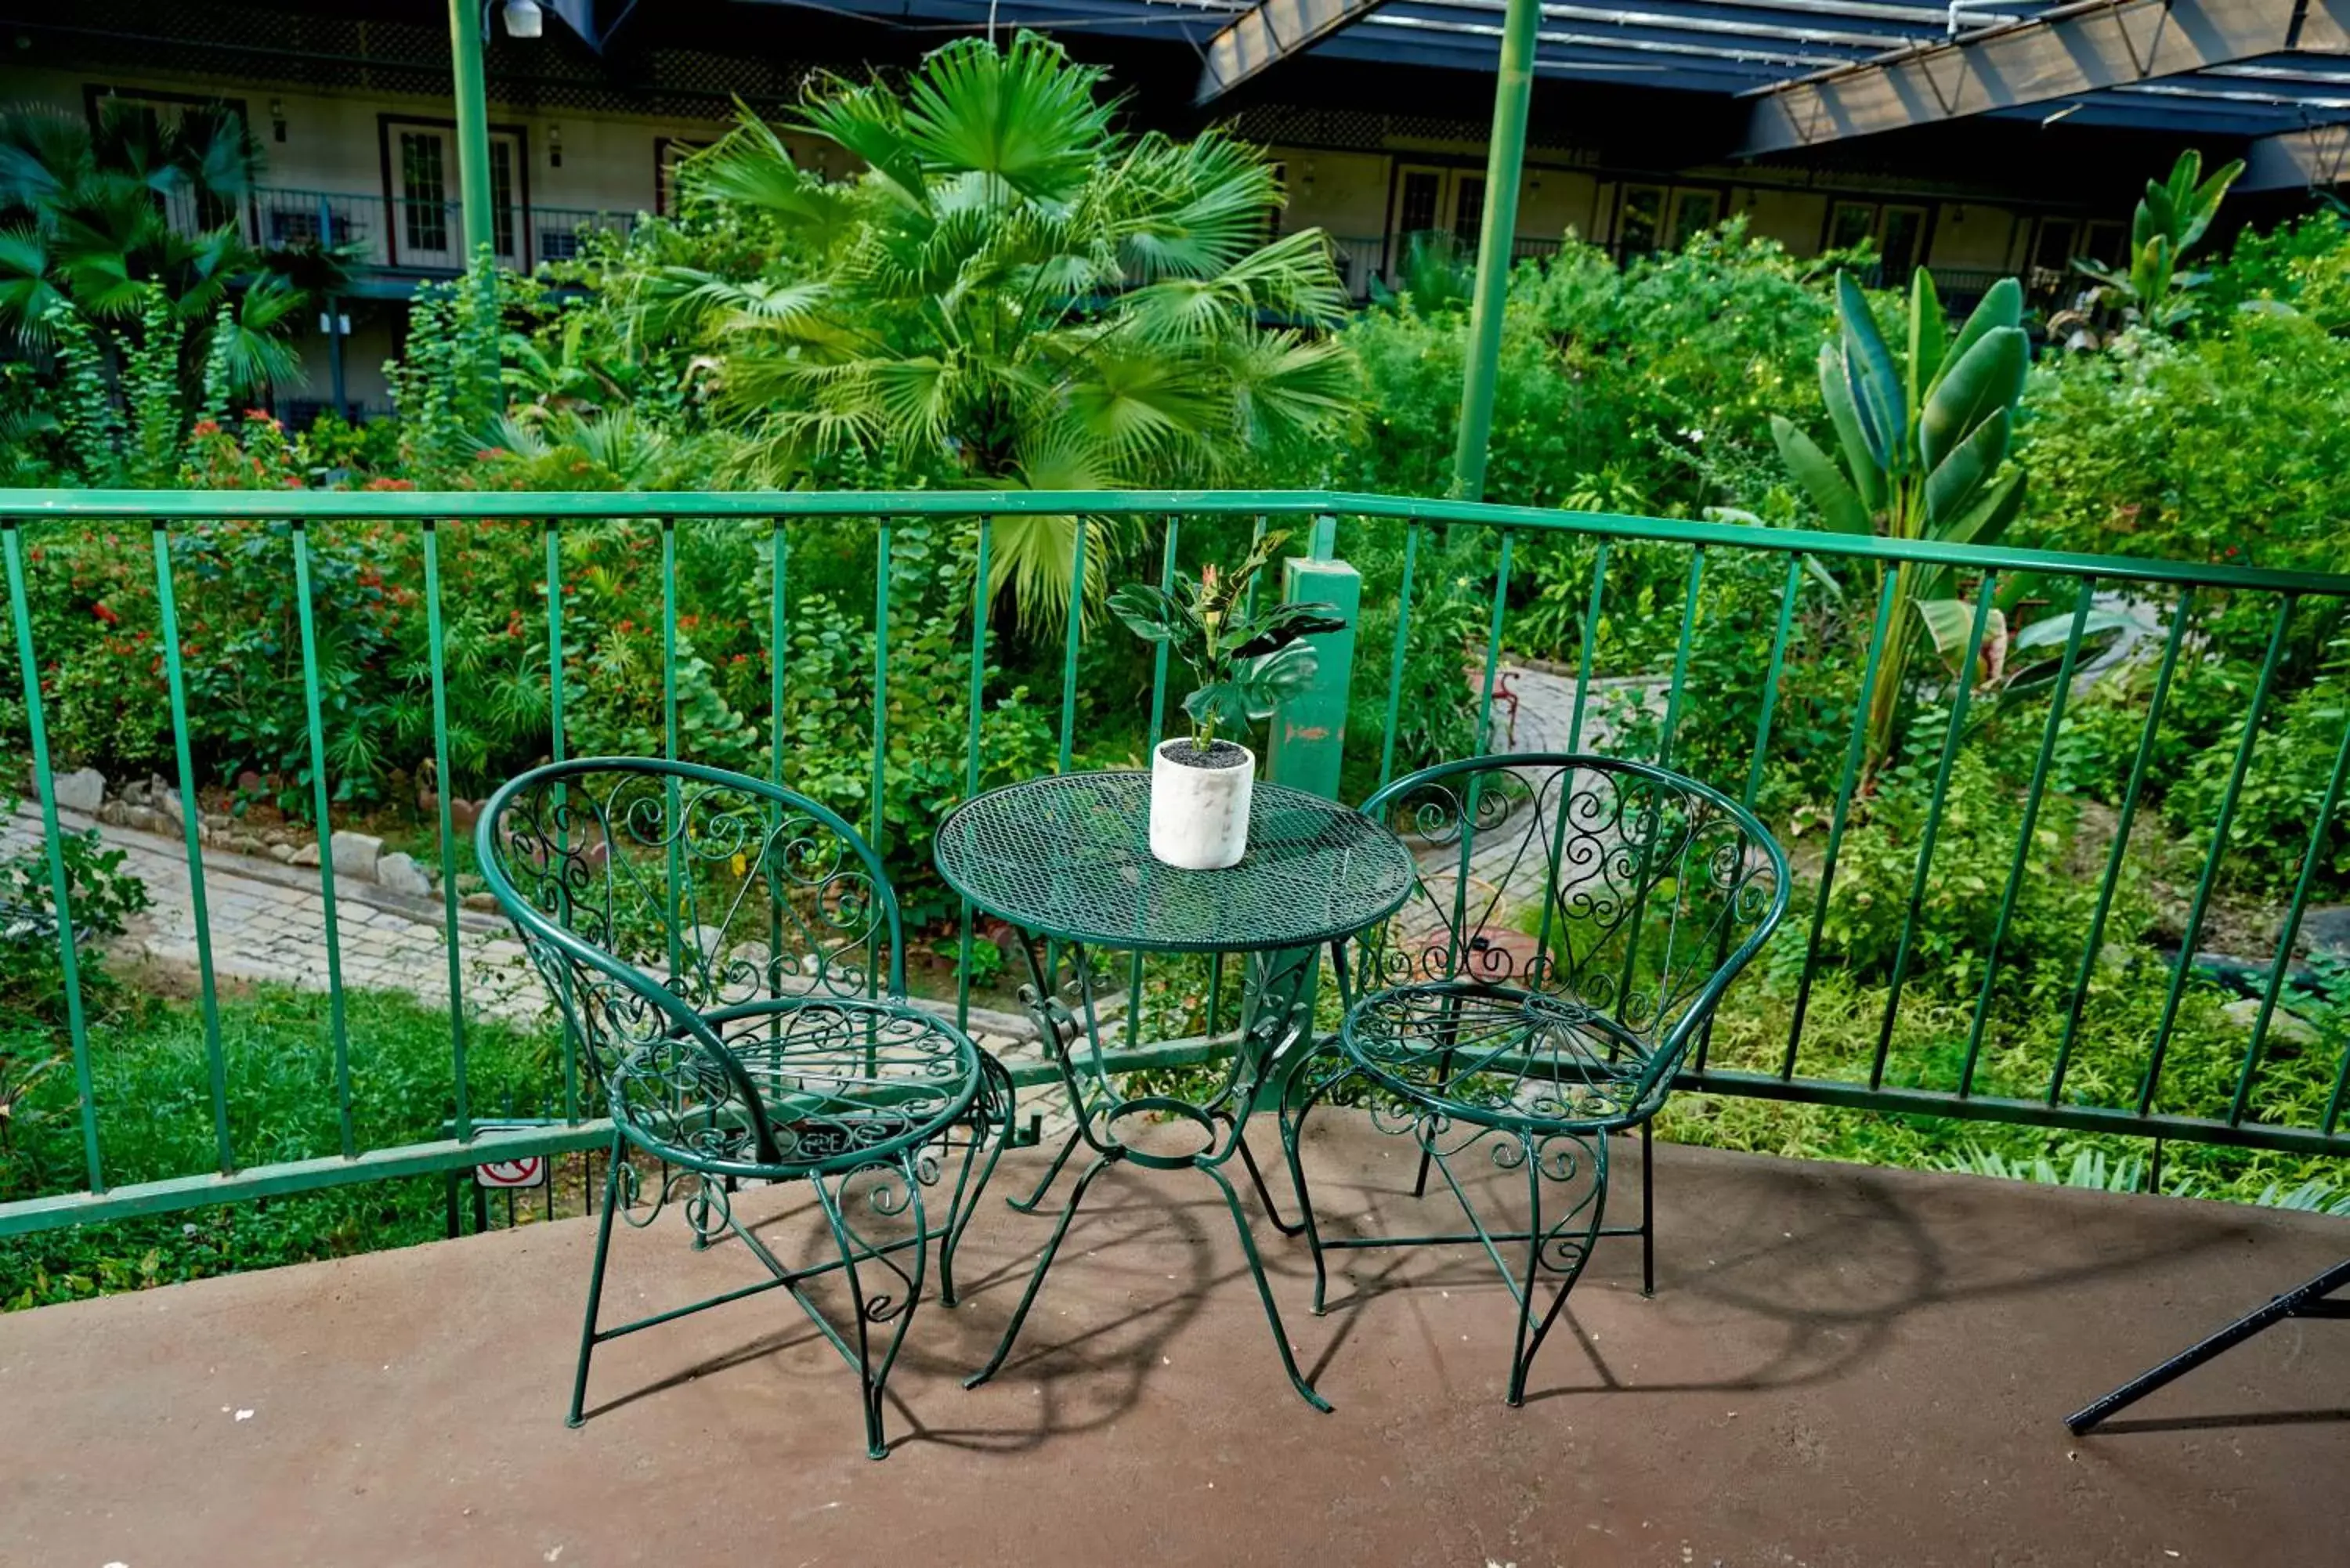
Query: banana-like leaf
1929, 336
2204, 205
1986, 382
2000, 305
1876, 384
1953, 483
1867, 475
1840, 506
1950, 622
1994, 508
2050, 630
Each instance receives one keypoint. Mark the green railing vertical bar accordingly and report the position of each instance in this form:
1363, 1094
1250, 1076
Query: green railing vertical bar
1493, 654
20, 615
1682, 657
1256, 537
1760, 752
2034, 792
1398, 652
2220, 828
1590, 643
876, 831
778, 565
669, 638
314, 725
175, 675
554, 738
2118, 852
971, 756
1855, 749
1771, 677
2341, 1092
1158, 730
437, 658
1953, 731
555, 743
2292, 929
675, 916
1069, 649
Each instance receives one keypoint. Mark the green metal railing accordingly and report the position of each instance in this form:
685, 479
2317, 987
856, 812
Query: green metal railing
776, 516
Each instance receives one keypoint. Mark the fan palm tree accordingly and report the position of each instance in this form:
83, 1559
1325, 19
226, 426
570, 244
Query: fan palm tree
103, 220
1017, 290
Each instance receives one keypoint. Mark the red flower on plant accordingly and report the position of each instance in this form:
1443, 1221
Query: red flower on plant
106, 615
206, 428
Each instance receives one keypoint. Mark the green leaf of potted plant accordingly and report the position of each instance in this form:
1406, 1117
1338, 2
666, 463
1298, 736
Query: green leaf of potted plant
1244, 662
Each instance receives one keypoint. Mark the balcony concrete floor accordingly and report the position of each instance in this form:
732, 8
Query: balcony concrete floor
1841, 1366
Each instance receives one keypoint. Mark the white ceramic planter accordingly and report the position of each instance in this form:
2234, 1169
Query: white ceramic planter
1200, 815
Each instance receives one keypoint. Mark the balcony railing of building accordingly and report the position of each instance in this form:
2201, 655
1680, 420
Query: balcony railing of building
1981, 1067
400, 235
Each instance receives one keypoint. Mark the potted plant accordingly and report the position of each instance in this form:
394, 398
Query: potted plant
1201, 782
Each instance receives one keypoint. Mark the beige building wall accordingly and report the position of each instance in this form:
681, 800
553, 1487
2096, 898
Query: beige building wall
1971, 235
1793, 218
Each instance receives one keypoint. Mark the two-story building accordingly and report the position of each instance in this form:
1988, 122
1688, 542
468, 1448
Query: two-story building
1983, 141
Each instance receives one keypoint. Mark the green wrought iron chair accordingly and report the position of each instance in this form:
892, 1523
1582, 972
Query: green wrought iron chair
727, 958
1575, 922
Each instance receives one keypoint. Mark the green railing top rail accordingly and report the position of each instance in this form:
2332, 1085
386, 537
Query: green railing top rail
421, 505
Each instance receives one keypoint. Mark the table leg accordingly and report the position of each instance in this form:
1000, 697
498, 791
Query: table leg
1036, 1275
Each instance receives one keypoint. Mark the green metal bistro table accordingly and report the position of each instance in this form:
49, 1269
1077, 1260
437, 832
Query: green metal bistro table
1066, 861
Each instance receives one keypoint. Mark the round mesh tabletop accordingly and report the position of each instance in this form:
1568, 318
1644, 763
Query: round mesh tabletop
1069, 856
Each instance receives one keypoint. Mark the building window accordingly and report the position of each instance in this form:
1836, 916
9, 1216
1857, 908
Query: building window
1415, 208
1639, 220
1468, 209
1851, 223
424, 190
669, 152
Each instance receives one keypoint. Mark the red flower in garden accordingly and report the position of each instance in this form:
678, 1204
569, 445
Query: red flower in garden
106, 615
206, 428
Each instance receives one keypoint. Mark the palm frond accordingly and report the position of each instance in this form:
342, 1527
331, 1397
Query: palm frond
1025, 116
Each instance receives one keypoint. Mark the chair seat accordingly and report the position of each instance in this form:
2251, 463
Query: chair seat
1500, 1056
840, 1082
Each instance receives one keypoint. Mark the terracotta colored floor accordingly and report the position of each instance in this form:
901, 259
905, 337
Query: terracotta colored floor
1841, 1366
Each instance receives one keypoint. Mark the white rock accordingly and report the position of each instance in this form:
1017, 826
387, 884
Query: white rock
355, 854
307, 855
82, 789
2286, 1027
284, 853
398, 874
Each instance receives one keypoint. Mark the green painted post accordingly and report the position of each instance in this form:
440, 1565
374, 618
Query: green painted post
1513, 97
1307, 741
1308, 733
471, 95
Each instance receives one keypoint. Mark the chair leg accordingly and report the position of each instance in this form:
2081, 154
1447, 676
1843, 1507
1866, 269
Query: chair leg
1036, 1275
596, 1282
997, 1096
873, 1375
1561, 1246
1647, 1208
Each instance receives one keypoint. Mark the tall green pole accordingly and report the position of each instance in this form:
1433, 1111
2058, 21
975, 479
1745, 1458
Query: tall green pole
1513, 94
473, 125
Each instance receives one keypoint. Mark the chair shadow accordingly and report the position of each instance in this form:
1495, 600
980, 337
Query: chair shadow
1087, 1379
1820, 1340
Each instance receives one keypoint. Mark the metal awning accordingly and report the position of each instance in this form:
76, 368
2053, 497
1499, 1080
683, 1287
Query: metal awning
1810, 71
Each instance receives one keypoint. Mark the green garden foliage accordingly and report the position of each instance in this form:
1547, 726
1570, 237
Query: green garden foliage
1072, 305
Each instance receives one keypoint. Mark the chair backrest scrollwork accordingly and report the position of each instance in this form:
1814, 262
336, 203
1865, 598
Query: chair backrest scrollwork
1615, 886
660, 901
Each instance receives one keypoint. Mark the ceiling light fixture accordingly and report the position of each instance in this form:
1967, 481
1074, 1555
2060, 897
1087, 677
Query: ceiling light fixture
524, 19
